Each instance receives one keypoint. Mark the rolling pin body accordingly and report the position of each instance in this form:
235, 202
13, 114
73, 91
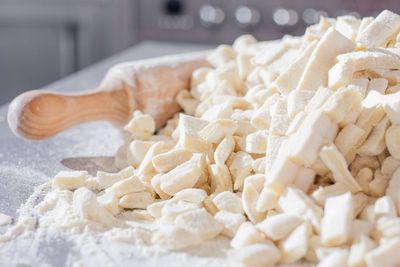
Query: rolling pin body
147, 85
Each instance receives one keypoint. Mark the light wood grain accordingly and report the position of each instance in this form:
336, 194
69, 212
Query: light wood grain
148, 85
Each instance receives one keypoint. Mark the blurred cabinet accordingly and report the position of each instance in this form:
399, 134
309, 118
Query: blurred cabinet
44, 40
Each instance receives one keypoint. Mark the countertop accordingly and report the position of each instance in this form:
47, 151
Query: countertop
25, 164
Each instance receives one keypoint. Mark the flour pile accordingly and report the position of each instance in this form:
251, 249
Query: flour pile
289, 149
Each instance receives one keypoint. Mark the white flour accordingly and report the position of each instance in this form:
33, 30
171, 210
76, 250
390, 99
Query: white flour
48, 218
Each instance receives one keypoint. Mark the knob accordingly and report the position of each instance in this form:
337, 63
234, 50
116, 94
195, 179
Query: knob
211, 16
173, 7
311, 16
247, 17
285, 17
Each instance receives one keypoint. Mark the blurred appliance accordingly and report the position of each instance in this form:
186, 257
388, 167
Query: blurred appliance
220, 21
44, 40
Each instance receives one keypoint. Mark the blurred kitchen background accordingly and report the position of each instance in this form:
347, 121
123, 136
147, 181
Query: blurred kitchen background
44, 40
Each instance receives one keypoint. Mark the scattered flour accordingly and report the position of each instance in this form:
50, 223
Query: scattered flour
48, 217
5, 219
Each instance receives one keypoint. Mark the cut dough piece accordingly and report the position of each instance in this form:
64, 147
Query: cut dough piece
189, 125
244, 66
360, 228
250, 197
381, 30
296, 202
271, 51
319, 98
324, 192
378, 85
389, 166
240, 167
167, 161
257, 142
279, 125
5, 219
348, 26
384, 206
297, 102
336, 224
105, 179
199, 222
146, 167
183, 176
130, 185
344, 106
295, 123
169, 210
216, 130
322, 59
375, 144
244, 43
342, 73
139, 200
262, 117
109, 201
304, 179
317, 130
282, 173
273, 146
279, 226
385, 255
141, 126
247, 234
335, 161
224, 150
392, 138
392, 107
228, 201
364, 24
348, 138
257, 255
230, 221
288, 80
187, 102
268, 200
137, 150
220, 177
193, 195
219, 111
337, 257
393, 189
294, 247
222, 55
280, 65
86, 206
360, 85
70, 179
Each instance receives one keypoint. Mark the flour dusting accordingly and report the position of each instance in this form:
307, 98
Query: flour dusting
48, 215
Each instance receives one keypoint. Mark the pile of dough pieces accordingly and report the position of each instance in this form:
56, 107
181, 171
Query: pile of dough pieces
291, 148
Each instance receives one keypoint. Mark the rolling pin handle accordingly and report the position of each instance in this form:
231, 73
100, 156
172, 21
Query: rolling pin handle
40, 114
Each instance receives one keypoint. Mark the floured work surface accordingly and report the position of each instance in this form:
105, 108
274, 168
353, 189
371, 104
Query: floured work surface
287, 148
26, 164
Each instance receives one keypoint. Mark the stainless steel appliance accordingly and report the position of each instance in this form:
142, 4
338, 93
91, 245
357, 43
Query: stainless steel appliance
220, 21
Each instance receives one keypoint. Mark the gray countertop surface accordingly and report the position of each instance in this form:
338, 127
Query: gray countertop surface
25, 164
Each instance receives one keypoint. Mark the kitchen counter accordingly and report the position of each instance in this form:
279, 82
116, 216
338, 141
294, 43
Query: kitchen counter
25, 164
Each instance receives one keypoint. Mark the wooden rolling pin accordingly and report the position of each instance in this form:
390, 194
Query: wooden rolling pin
147, 85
